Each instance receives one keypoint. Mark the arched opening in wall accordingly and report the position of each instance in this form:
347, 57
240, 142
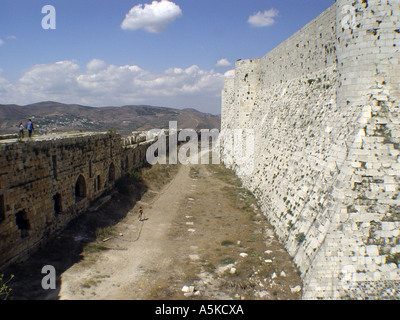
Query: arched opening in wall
98, 182
111, 173
80, 189
57, 203
22, 223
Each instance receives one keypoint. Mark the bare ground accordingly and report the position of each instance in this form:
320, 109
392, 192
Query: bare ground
203, 237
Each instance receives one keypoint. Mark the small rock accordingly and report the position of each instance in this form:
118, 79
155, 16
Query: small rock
262, 294
268, 261
283, 274
233, 270
185, 289
274, 276
295, 289
244, 255
194, 257
225, 268
188, 289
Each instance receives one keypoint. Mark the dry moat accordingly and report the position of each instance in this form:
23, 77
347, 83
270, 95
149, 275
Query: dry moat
202, 237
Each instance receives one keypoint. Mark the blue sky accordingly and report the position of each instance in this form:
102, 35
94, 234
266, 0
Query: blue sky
166, 53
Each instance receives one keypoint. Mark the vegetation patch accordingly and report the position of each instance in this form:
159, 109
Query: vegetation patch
158, 175
300, 237
5, 290
224, 174
227, 243
93, 248
194, 172
393, 258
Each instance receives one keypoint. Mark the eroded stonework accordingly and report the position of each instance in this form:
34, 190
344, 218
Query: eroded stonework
324, 107
48, 181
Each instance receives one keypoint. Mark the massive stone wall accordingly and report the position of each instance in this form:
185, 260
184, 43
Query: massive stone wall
324, 109
48, 181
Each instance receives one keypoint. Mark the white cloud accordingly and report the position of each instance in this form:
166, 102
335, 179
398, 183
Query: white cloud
7, 90
152, 17
223, 63
263, 19
1, 42
96, 65
230, 74
101, 84
57, 79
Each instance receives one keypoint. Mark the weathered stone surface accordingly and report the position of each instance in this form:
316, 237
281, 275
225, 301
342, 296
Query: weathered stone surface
324, 107
48, 181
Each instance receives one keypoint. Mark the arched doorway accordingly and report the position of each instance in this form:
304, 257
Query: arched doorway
111, 173
22, 223
57, 203
80, 188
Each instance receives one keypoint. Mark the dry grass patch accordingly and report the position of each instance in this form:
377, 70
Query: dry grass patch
158, 175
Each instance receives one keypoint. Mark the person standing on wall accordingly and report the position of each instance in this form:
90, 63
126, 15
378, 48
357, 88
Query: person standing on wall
30, 128
21, 131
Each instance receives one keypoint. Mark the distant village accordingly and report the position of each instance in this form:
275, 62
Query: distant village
48, 125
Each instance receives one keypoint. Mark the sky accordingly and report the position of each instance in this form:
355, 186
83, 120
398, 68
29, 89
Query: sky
169, 53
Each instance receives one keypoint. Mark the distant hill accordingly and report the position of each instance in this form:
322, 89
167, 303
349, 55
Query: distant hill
52, 116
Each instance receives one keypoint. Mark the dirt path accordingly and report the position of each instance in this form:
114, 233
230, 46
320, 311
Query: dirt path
142, 248
203, 239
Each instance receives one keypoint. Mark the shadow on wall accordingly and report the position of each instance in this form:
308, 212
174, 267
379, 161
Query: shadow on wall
68, 247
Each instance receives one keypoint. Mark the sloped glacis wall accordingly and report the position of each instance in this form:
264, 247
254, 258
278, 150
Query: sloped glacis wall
324, 110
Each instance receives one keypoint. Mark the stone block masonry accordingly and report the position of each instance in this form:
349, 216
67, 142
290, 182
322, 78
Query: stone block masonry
48, 181
324, 106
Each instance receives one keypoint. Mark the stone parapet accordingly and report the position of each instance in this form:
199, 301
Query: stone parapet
47, 181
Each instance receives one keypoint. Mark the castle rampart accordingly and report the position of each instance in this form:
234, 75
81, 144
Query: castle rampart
324, 109
48, 181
